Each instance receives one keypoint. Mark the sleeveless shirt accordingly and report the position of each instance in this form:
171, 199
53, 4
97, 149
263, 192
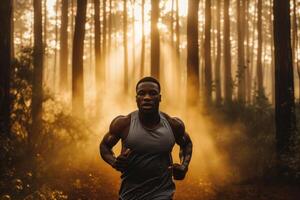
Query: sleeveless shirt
147, 176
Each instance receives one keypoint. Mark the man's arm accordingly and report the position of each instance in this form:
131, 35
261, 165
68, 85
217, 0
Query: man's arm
183, 139
114, 134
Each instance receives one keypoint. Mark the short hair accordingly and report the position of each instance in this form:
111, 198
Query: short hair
148, 79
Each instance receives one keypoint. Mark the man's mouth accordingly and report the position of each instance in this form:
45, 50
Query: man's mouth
147, 105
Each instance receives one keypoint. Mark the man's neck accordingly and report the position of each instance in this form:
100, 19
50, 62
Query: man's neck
149, 120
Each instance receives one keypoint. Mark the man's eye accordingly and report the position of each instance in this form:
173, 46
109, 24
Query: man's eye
153, 93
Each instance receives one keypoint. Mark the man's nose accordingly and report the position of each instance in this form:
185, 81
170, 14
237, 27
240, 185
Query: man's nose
147, 97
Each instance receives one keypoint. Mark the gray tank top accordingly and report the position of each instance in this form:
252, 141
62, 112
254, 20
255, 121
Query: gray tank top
148, 176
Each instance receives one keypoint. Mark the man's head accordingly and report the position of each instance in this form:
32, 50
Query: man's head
148, 95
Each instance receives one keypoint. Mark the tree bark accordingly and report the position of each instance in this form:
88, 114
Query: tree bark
126, 70
98, 68
218, 58
227, 55
5, 64
259, 50
155, 44
37, 86
77, 59
207, 46
284, 85
143, 40
192, 53
241, 55
64, 46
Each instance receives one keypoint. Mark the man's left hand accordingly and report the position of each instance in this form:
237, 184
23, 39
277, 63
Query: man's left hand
179, 171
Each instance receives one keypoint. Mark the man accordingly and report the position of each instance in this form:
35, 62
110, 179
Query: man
148, 137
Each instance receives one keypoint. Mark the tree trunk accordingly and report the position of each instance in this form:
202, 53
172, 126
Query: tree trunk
45, 35
133, 42
104, 45
56, 47
192, 53
208, 70
143, 40
172, 24
37, 86
64, 46
241, 56
155, 46
77, 59
218, 58
259, 50
125, 47
227, 56
177, 33
98, 68
5, 65
284, 85
109, 27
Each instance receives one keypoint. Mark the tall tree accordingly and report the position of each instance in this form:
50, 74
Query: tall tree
218, 57
143, 40
207, 46
56, 46
284, 85
125, 46
37, 87
192, 52
133, 38
64, 46
177, 31
5, 64
241, 55
77, 59
98, 68
104, 36
172, 23
109, 27
227, 55
155, 46
259, 69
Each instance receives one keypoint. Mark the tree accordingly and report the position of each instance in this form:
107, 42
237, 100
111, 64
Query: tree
37, 86
155, 46
125, 46
77, 59
241, 55
284, 85
98, 68
192, 52
5, 64
208, 70
218, 57
64, 46
259, 69
143, 40
227, 57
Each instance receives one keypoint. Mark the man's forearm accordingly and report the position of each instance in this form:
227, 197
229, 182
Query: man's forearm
107, 154
186, 154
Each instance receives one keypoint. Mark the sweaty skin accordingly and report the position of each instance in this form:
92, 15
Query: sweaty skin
148, 98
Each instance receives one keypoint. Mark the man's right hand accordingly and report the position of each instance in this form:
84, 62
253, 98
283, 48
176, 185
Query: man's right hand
121, 162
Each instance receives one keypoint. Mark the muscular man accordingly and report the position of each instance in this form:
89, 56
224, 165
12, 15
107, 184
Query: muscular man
148, 137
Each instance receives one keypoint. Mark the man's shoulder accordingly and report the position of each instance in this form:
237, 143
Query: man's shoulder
120, 123
175, 122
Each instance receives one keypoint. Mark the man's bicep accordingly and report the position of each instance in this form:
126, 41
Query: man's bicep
110, 139
113, 136
181, 136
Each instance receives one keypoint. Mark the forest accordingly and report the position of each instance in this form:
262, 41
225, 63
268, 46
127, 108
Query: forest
230, 69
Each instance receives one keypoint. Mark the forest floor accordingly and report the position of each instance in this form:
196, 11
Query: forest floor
103, 184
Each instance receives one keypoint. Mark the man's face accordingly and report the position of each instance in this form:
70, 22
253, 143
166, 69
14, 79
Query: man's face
148, 97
